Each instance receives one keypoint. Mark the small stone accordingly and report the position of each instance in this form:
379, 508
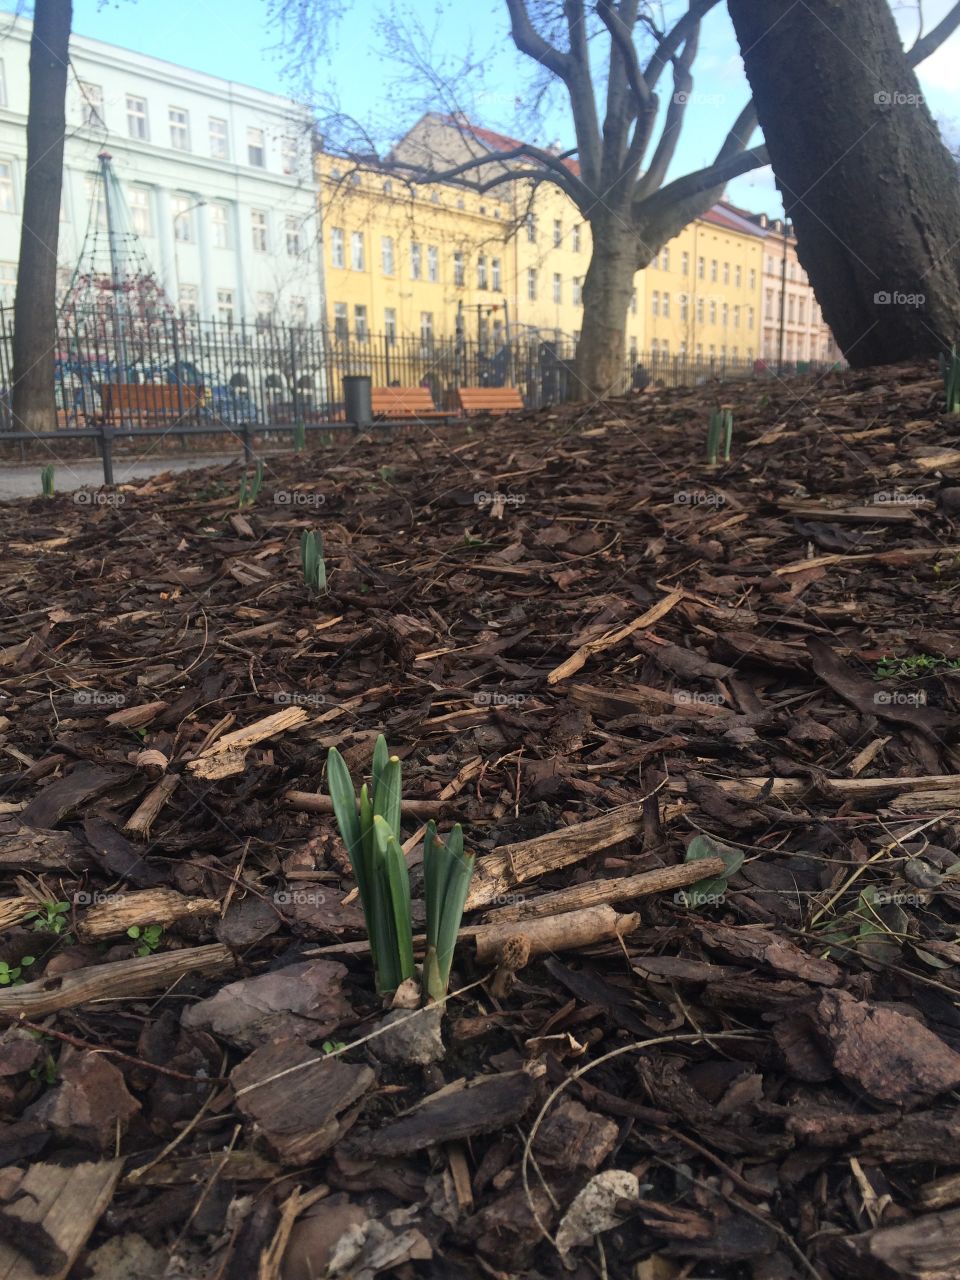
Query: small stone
413, 1038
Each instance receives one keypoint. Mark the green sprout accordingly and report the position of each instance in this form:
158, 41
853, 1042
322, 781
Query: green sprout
919, 665
372, 840
299, 436
250, 492
46, 481
950, 372
311, 557
10, 973
51, 918
148, 937
720, 429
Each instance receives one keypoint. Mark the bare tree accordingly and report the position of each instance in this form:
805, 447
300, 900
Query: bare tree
35, 305
865, 176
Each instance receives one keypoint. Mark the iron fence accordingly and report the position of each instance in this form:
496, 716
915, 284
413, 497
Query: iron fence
145, 370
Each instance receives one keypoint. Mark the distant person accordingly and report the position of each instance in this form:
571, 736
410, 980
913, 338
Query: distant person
641, 379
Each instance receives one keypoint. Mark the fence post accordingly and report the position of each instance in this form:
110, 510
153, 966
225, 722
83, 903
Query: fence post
106, 452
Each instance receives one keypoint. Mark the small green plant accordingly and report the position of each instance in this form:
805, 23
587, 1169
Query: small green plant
372, 840
46, 1073
720, 429
299, 436
311, 557
10, 974
148, 937
51, 918
46, 481
386, 473
912, 668
950, 371
249, 492
332, 1046
710, 891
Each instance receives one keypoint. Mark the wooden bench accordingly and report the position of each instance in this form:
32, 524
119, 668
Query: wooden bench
148, 399
489, 399
394, 403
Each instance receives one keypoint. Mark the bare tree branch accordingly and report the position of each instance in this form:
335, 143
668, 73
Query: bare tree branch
583, 101
672, 41
622, 38
716, 175
670, 136
529, 41
934, 39
553, 170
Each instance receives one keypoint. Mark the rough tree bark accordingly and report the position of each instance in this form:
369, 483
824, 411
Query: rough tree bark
871, 189
34, 317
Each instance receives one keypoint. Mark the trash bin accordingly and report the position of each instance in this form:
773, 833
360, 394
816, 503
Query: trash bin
357, 399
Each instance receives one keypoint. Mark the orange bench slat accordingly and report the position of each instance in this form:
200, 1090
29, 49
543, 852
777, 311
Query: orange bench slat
480, 399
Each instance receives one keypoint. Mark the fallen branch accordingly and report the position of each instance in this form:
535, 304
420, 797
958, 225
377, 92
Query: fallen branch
565, 932
579, 658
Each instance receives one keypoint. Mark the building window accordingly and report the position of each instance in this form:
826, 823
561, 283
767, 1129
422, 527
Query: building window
291, 156
495, 274
137, 118
433, 263
753, 278
360, 323
92, 191
459, 274
8, 202
576, 238
666, 304
183, 207
390, 324
726, 273
265, 305
685, 263
665, 260
725, 314
298, 311
426, 327
258, 230
654, 346
532, 228
220, 222
699, 311
256, 152
8, 283
340, 321
218, 139
738, 276
713, 312
684, 307
357, 255
633, 303
481, 272
736, 317
179, 128
749, 317
91, 105
139, 203
557, 287
768, 304
713, 269
416, 261
531, 284
578, 291
655, 302
294, 237
701, 268
557, 233
225, 305
189, 301
386, 255
336, 247
801, 309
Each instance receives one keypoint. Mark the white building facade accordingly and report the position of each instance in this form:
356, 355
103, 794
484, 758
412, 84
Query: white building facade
217, 177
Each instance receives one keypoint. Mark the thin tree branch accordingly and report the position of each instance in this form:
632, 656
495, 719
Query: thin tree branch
672, 41
934, 39
673, 124
529, 41
622, 38
553, 170
702, 180
583, 103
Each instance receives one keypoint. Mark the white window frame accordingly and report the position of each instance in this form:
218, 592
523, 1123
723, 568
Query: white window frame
219, 142
259, 230
179, 128
137, 114
255, 147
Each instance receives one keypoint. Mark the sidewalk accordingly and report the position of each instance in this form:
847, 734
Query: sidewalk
22, 480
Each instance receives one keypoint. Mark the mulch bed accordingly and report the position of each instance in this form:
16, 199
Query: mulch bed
564, 622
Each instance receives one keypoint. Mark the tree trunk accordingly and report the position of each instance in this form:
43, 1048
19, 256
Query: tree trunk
607, 288
35, 307
865, 177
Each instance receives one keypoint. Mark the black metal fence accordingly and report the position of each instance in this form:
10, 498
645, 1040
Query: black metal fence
146, 370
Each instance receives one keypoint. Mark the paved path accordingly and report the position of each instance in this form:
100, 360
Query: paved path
22, 480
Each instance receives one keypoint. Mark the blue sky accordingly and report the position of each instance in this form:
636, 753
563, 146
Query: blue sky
233, 39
